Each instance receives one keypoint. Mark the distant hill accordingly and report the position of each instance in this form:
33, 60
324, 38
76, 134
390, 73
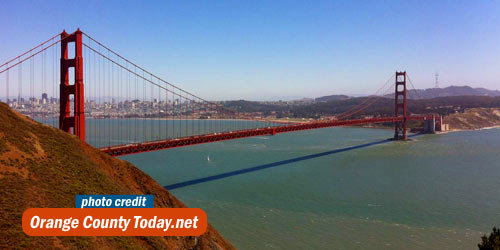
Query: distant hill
474, 118
41, 166
332, 98
383, 106
450, 91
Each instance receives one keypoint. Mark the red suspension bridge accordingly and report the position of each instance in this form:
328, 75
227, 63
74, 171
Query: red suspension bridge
90, 90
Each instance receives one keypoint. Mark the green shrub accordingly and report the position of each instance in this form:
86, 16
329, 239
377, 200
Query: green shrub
491, 242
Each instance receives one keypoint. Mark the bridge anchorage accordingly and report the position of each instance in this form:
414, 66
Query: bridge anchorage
131, 110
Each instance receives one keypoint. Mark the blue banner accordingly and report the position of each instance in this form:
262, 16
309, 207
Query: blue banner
114, 201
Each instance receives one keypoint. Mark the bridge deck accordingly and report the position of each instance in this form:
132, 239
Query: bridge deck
135, 148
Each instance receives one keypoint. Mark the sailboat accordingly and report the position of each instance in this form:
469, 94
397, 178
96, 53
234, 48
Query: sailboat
208, 158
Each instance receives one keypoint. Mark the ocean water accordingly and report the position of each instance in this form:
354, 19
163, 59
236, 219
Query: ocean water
109, 132
339, 188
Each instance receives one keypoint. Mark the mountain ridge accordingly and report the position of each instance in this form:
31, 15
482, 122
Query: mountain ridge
452, 90
429, 93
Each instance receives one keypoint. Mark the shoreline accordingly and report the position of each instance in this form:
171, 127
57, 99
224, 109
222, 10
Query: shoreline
283, 122
473, 129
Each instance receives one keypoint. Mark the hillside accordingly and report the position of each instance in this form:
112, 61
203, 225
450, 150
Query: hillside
449, 91
41, 166
475, 118
331, 98
383, 106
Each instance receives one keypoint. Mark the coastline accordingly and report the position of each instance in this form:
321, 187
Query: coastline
472, 129
287, 122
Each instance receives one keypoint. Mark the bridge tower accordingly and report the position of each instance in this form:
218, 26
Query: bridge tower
400, 132
67, 121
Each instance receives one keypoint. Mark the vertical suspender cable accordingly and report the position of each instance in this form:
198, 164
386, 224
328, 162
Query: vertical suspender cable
108, 94
199, 118
159, 108
193, 103
128, 103
186, 115
166, 112
174, 110
144, 107
135, 104
96, 85
31, 73
20, 83
7, 86
44, 80
98, 99
152, 108
119, 120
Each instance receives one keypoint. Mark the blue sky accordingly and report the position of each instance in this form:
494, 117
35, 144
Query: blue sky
261, 50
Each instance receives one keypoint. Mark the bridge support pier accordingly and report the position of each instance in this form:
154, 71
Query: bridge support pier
67, 121
438, 123
400, 128
431, 126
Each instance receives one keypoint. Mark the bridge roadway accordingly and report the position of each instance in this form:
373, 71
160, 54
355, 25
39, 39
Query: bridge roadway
134, 148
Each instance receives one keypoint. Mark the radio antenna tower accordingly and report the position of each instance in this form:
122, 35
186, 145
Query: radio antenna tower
436, 77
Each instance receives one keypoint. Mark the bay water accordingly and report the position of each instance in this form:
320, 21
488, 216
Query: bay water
340, 188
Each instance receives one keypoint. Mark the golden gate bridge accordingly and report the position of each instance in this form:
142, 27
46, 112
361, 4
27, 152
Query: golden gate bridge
88, 79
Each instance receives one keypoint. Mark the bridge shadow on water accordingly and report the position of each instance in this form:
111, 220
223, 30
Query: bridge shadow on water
274, 164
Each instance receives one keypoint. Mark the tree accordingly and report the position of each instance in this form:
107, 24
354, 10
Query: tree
491, 242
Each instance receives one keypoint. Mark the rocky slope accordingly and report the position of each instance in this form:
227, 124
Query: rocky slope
41, 166
474, 118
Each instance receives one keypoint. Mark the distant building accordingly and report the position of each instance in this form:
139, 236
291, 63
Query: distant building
45, 98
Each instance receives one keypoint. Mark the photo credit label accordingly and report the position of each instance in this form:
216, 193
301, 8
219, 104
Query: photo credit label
114, 201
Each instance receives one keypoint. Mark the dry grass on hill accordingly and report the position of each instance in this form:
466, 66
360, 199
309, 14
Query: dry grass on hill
474, 118
41, 166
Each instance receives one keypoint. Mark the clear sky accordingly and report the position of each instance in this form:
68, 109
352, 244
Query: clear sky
262, 50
